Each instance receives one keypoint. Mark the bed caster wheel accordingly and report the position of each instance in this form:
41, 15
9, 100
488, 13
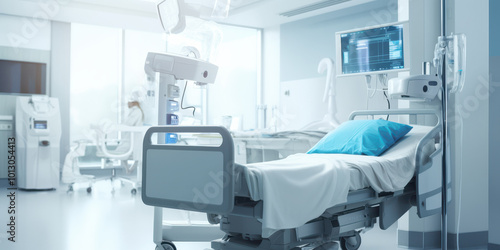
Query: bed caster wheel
213, 219
166, 246
70, 189
89, 190
351, 242
133, 191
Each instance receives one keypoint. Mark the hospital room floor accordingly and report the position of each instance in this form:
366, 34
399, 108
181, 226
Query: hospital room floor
58, 220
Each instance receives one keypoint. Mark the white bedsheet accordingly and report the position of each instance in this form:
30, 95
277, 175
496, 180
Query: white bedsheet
302, 186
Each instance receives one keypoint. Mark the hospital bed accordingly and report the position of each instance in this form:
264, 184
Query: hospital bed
305, 201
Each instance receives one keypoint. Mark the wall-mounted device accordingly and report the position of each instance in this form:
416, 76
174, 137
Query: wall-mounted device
414, 87
374, 50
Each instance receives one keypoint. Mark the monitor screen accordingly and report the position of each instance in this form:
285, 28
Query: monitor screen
371, 50
40, 124
22, 77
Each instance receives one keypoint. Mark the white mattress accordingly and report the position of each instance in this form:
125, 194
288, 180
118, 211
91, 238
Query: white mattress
302, 186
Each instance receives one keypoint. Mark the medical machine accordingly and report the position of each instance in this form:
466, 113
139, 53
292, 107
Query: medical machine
181, 67
424, 87
450, 63
171, 68
38, 136
375, 50
301, 202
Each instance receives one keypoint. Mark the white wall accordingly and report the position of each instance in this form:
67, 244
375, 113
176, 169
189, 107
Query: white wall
302, 46
271, 71
20, 32
60, 72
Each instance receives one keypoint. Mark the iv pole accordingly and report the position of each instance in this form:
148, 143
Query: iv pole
444, 190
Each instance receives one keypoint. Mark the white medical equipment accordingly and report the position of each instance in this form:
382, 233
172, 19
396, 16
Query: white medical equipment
375, 50
71, 172
180, 67
189, 25
172, 68
38, 136
449, 59
453, 49
173, 13
424, 87
185, 22
240, 197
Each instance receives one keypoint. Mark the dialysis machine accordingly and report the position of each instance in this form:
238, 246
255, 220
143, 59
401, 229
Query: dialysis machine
38, 136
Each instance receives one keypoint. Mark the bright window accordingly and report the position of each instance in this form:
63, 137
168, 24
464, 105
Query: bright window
95, 77
234, 93
107, 64
235, 90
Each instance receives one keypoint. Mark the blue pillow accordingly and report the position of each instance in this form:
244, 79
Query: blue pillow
361, 137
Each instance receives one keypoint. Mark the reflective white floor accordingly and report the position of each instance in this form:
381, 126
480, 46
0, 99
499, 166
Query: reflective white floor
58, 220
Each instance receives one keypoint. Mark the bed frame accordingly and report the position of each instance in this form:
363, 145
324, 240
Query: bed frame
206, 179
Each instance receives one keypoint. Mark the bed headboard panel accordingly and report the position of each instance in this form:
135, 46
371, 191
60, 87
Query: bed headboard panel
429, 175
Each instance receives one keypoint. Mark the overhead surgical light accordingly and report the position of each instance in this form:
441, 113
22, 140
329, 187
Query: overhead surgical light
191, 23
173, 13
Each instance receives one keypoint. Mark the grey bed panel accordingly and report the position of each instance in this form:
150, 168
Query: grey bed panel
205, 183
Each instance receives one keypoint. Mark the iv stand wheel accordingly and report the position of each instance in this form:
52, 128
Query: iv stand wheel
166, 246
351, 242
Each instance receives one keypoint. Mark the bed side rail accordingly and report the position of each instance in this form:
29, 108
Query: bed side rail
428, 174
189, 177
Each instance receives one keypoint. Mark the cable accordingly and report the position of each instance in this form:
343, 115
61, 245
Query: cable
182, 99
388, 104
375, 89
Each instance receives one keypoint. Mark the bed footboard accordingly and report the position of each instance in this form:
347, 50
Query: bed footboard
188, 177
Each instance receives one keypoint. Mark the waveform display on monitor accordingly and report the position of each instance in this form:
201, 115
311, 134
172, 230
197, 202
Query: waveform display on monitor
377, 49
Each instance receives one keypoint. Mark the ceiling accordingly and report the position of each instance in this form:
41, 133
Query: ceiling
267, 13
251, 13
141, 14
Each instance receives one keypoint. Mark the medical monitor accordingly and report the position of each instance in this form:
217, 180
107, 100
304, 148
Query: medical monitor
20, 77
375, 50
